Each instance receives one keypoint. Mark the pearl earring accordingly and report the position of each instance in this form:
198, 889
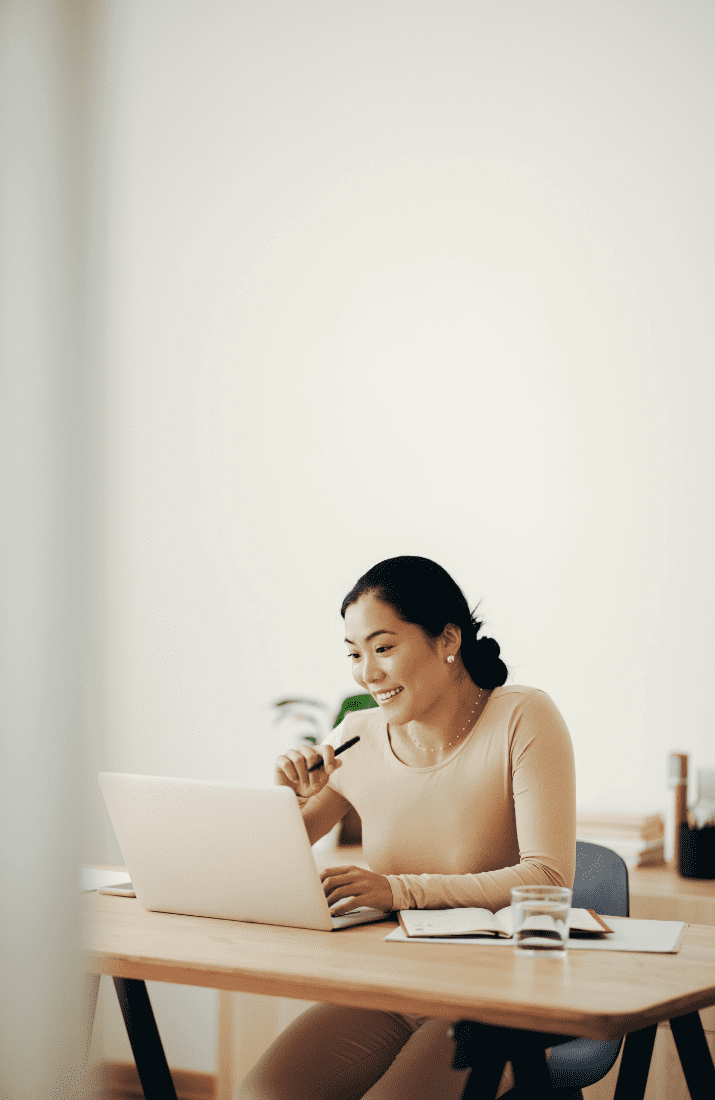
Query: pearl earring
450, 659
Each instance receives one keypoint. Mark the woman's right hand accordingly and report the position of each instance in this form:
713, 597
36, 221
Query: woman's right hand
291, 769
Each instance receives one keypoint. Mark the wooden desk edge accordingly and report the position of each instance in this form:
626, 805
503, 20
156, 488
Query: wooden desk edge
604, 1026
607, 1026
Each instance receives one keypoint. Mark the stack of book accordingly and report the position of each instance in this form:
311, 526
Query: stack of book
637, 837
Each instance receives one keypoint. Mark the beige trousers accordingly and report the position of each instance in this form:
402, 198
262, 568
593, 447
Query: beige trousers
335, 1053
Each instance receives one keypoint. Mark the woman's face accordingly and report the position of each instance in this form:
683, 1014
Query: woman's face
403, 669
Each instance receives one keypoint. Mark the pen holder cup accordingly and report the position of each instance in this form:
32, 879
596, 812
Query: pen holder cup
697, 852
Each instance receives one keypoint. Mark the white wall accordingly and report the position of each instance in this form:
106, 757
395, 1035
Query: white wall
408, 278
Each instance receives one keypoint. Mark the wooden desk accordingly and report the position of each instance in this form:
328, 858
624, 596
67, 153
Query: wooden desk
593, 994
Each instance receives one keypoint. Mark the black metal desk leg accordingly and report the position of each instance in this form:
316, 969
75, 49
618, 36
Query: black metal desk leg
694, 1054
635, 1063
145, 1040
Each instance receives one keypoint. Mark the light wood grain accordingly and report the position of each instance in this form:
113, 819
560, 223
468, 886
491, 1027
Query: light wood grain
594, 994
664, 881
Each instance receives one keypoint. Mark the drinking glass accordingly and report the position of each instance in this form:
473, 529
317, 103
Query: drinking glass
541, 917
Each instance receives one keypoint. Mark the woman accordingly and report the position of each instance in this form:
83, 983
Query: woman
465, 788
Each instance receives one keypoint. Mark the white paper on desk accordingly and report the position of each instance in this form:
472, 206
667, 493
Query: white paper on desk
91, 878
660, 936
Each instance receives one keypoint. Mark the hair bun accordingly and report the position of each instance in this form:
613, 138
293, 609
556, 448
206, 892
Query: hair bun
489, 648
491, 670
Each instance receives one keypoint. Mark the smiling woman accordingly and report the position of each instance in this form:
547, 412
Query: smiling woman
465, 788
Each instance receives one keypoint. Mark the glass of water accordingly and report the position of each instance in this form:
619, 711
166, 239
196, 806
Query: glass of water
541, 917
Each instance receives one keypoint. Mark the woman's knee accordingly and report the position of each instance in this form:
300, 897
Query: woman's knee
328, 1051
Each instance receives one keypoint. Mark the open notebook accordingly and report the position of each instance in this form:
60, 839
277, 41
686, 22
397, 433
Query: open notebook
482, 922
629, 934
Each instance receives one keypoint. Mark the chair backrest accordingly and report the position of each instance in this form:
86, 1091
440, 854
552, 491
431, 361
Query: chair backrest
601, 881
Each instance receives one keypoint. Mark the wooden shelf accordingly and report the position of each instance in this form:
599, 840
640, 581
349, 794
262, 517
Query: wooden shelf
661, 893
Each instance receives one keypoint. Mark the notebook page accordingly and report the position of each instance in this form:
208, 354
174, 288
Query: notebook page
462, 921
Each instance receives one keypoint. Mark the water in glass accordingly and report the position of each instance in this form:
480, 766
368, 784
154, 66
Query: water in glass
541, 919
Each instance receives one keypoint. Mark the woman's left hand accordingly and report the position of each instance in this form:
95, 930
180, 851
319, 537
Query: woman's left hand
361, 886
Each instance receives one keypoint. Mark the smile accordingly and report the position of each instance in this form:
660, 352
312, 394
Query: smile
383, 696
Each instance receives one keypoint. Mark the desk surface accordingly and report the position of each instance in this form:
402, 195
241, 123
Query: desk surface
595, 994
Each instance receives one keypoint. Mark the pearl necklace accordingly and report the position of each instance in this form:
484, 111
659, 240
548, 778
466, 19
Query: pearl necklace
463, 730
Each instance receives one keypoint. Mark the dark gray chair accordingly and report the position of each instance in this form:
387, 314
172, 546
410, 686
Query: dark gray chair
601, 883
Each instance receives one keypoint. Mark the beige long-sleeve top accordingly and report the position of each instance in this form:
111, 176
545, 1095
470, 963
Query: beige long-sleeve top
499, 812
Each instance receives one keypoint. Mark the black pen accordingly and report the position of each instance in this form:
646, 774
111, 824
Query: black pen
348, 745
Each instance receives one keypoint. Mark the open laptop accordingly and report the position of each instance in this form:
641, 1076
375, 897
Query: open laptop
215, 849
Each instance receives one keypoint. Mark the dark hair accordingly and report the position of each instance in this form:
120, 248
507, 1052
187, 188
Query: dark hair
422, 592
